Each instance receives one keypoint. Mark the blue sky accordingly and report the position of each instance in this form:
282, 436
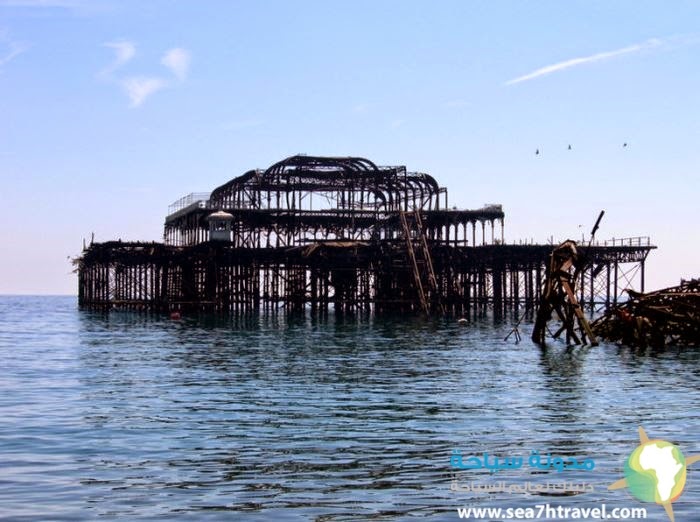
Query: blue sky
112, 110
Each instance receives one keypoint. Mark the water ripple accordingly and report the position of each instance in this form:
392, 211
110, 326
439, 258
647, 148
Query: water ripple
134, 417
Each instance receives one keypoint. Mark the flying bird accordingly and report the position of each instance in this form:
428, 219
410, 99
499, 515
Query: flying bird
537, 152
624, 144
569, 146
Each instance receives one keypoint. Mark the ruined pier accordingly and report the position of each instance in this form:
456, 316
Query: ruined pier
341, 234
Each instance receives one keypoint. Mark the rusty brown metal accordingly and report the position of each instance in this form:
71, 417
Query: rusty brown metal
322, 233
559, 297
670, 316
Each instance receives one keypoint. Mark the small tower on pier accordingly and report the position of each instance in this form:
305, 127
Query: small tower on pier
220, 226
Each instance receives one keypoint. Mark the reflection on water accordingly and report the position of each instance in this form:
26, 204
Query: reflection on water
128, 416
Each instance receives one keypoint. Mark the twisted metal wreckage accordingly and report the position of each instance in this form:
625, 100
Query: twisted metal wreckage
322, 232
670, 316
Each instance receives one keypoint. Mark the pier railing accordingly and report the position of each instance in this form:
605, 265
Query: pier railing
189, 199
628, 241
638, 241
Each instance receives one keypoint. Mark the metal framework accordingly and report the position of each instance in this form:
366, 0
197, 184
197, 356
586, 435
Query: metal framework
344, 233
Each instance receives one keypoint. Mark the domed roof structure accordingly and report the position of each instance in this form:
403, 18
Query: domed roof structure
220, 215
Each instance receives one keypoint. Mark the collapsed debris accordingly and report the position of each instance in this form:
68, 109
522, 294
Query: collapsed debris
666, 317
559, 295
566, 265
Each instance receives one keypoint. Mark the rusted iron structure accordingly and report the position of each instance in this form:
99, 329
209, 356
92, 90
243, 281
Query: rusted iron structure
656, 319
341, 233
559, 297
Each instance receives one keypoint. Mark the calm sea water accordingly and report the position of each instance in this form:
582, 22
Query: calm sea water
125, 417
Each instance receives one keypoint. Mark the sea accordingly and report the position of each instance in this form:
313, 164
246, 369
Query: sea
128, 416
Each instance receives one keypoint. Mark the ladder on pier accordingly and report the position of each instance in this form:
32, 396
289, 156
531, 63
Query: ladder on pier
419, 257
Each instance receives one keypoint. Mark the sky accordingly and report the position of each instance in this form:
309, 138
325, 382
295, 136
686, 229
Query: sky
111, 110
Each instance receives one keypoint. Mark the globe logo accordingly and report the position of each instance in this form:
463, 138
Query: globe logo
655, 472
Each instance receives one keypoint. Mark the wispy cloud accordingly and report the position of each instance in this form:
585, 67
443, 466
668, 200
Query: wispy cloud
178, 61
10, 51
360, 108
64, 4
124, 51
456, 104
241, 124
574, 62
138, 88
76, 7
9, 48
